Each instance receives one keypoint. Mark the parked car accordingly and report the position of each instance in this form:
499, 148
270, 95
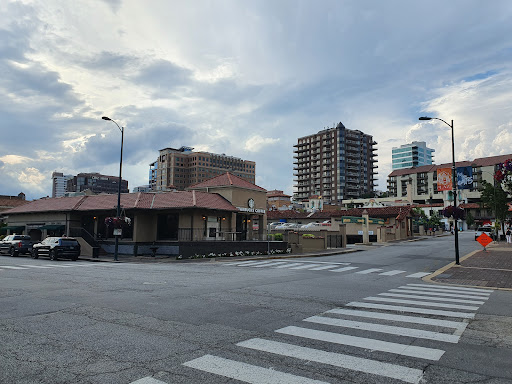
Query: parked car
15, 245
57, 247
286, 226
485, 229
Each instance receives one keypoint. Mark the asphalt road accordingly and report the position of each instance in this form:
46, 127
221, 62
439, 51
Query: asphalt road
363, 317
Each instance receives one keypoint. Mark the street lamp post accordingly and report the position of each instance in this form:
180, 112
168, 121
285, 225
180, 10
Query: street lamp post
116, 248
454, 186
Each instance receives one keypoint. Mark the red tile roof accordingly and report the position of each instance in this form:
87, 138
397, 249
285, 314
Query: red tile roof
226, 179
379, 212
8, 202
140, 200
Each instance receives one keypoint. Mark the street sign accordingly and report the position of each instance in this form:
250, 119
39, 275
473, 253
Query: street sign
484, 239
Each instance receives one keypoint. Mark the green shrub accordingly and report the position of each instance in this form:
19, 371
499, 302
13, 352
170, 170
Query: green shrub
278, 237
308, 236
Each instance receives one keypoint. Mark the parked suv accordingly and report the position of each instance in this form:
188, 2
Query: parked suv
488, 230
16, 244
57, 247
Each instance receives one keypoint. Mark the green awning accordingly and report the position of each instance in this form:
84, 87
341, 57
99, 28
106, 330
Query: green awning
52, 227
13, 228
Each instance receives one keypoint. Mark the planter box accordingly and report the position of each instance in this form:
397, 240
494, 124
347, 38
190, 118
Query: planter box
310, 244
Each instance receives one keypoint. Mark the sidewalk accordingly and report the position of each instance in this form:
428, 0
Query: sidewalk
491, 268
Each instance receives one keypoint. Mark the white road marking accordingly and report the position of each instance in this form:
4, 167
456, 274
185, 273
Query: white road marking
447, 294
247, 262
398, 372
361, 342
447, 299
343, 269
443, 290
452, 288
288, 265
422, 303
11, 267
35, 266
400, 331
398, 308
419, 274
306, 266
405, 319
392, 273
148, 380
60, 265
273, 264
367, 271
266, 262
246, 372
323, 267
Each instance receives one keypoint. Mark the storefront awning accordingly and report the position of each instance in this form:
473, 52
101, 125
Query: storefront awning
13, 228
52, 227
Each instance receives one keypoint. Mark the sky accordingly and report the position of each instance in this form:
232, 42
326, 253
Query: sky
244, 78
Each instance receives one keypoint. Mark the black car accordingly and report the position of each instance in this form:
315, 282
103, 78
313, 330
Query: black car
57, 247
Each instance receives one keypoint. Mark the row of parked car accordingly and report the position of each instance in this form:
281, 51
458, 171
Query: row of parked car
52, 247
293, 226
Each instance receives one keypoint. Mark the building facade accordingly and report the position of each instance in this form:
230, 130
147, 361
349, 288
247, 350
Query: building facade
411, 155
277, 199
96, 183
60, 184
181, 168
336, 164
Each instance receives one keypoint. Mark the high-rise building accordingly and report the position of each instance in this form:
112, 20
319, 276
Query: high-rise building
336, 164
96, 183
59, 184
180, 168
410, 155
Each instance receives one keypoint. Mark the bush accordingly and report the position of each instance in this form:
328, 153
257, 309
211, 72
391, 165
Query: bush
278, 237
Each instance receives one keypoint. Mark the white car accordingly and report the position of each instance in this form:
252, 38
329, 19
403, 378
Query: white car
287, 226
485, 229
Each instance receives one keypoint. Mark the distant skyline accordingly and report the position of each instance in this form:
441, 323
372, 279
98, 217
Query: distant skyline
245, 78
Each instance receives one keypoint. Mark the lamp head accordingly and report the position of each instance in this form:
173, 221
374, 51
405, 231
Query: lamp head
106, 118
425, 118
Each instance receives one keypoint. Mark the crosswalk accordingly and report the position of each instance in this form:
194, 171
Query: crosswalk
322, 266
45, 266
367, 339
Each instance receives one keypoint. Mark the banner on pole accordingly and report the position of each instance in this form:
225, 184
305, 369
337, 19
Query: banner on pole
464, 177
444, 179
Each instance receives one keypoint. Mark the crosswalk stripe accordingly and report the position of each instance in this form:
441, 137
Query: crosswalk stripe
400, 331
36, 266
323, 267
442, 290
266, 262
398, 372
422, 303
288, 265
447, 299
419, 274
11, 267
246, 372
399, 308
148, 380
306, 266
452, 288
362, 342
371, 270
60, 265
242, 262
391, 273
273, 264
343, 269
447, 294
401, 318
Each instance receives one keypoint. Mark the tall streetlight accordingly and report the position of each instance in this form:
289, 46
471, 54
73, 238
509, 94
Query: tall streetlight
454, 186
116, 248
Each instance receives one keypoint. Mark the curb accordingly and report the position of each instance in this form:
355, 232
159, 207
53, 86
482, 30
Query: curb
429, 278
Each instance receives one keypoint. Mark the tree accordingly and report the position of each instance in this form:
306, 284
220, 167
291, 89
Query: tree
470, 220
495, 198
434, 220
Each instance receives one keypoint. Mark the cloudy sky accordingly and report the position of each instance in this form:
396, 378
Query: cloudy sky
245, 78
